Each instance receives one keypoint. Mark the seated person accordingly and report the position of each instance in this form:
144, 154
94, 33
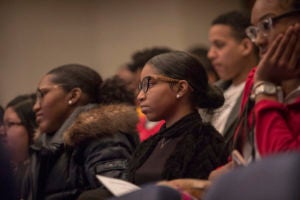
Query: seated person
173, 87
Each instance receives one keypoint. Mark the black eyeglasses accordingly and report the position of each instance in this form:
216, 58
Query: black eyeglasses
41, 92
149, 81
266, 25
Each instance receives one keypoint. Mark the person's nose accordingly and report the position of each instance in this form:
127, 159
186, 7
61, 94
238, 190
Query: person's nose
211, 54
260, 40
140, 96
37, 105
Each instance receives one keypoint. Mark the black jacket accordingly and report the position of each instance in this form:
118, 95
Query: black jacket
97, 141
200, 150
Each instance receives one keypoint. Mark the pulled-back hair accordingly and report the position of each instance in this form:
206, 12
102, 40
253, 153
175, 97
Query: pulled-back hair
23, 106
236, 20
75, 75
184, 66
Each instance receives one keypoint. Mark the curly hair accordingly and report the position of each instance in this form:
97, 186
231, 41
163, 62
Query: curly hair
114, 91
140, 58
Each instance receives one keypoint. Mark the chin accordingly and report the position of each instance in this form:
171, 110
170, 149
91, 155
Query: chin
43, 128
153, 118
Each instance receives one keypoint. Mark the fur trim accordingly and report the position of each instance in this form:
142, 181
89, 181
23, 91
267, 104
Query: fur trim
102, 121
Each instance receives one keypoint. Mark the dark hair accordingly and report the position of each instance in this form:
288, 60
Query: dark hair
185, 66
75, 75
114, 90
140, 58
23, 106
289, 4
295, 5
236, 20
201, 53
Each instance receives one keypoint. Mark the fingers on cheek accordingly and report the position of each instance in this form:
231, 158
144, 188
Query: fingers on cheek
275, 48
294, 60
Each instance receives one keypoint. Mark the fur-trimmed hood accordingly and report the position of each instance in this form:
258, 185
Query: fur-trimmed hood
91, 122
101, 121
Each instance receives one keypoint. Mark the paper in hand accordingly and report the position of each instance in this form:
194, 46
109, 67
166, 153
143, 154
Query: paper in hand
117, 187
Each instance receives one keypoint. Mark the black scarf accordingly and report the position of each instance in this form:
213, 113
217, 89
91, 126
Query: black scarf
185, 127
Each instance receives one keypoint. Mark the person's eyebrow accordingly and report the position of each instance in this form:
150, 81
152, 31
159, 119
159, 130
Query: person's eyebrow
266, 16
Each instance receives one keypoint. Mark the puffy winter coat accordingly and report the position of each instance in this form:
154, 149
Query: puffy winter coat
97, 140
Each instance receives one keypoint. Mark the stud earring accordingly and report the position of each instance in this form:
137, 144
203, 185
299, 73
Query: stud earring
178, 96
70, 102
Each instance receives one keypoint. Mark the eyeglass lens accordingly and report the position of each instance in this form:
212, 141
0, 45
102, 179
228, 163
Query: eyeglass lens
144, 84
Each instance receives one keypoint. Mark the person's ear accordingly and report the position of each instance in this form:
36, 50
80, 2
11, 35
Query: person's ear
74, 96
182, 88
246, 47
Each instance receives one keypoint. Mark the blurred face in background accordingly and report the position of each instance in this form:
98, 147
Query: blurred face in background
225, 52
2, 133
17, 136
52, 106
130, 78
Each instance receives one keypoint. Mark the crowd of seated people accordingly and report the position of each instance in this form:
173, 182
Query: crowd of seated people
77, 125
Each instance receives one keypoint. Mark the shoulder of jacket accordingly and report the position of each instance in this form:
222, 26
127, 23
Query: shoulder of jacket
101, 122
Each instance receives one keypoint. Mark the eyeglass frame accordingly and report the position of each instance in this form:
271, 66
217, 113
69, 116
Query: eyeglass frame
8, 125
271, 21
145, 87
41, 92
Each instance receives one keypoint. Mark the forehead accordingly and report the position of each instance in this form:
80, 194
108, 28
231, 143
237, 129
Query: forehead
46, 81
265, 8
10, 113
220, 31
148, 70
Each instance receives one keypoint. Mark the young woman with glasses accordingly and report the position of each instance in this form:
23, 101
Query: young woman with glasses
173, 86
78, 135
270, 109
273, 88
19, 127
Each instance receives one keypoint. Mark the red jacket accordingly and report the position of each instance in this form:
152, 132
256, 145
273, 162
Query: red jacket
277, 125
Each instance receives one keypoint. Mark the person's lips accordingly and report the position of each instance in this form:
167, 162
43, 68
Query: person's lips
145, 109
218, 67
38, 117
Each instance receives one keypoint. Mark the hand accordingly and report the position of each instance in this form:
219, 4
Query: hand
194, 187
238, 159
281, 61
220, 171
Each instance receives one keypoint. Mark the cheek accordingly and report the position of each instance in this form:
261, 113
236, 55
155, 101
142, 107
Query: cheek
17, 140
161, 103
52, 120
54, 112
272, 36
